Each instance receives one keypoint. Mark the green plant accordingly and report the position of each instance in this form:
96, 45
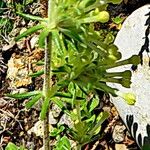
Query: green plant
79, 58
118, 20
5, 22
12, 146
63, 144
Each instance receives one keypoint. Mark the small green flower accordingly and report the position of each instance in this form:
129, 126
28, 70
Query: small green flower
129, 98
134, 60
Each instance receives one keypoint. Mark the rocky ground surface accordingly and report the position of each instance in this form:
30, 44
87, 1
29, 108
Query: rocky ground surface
17, 61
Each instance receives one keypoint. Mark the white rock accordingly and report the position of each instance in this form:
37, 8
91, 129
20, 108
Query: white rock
37, 128
118, 133
34, 41
130, 39
52, 120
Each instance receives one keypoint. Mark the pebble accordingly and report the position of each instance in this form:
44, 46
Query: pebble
118, 133
56, 110
65, 119
33, 41
52, 120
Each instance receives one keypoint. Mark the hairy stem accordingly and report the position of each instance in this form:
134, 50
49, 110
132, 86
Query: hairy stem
79, 147
47, 77
47, 87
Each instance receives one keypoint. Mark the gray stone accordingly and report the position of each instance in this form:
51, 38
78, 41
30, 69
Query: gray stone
56, 110
52, 120
34, 41
65, 119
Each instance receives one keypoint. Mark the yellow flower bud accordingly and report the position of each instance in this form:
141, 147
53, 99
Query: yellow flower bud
103, 16
130, 98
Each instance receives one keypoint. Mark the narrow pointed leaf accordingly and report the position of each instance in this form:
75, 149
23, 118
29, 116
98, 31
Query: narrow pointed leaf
94, 104
31, 17
44, 109
29, 31
42, 37
72, 34
105, 88
37, 74
33, 101
57, 40
104, 116
24, 95
45, 105
53, 90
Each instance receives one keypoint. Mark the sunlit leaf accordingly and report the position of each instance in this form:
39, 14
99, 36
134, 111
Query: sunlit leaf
72, 34
42, 37
57, 40
95, 102
103, 117
63, 144
11, 146
31, 17
33, 101
24, 95
37, 74
47, 98
117, 20
29, 31
45, 107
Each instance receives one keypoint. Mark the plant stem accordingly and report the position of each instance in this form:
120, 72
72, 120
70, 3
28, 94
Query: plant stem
47, 87
47, 77
79, 147
78, 111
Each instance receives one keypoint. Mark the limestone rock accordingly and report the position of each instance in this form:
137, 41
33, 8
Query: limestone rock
133, 38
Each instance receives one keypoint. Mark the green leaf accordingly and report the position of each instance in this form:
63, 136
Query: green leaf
33, 101
103, 117
92, 119
24, 95
43, 36
114, 1
95, 102
29, 31
71, 87
53, 90
57, 131
109, 38
105, 88
27, 2
31, 17
37, 74
72, 34
63, 144
117, 20
57, 40
44, 109
58, 102
45, 105
11, 146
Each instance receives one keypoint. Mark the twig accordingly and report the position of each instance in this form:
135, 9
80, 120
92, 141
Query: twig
95, 145
6, 40
8, 113
46, 87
